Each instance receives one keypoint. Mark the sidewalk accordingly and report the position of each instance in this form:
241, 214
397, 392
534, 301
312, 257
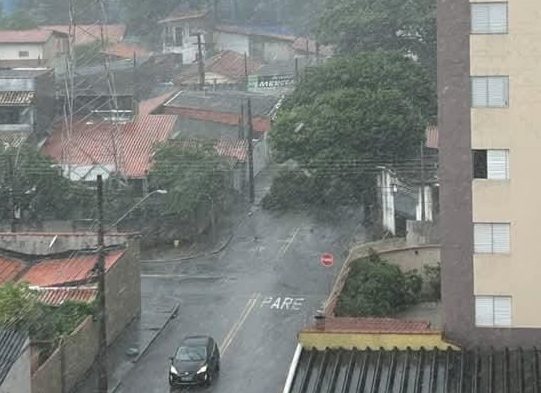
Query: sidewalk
136, 338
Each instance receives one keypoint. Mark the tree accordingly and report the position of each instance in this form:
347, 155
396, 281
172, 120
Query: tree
36, 187
349, 116
361, 25
193, 175
376, 288
20, 20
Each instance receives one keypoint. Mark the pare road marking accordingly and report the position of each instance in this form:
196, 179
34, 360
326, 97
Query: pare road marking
283, 303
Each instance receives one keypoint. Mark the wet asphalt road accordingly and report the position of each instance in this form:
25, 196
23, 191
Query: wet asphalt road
252, 298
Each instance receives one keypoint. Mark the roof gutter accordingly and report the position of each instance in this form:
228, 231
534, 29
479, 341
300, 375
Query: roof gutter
292, 369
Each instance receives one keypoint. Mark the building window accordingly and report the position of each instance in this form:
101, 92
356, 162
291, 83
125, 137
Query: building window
178, 36
490, 91
489, 18
492, 238
491, 164
493, 311
24, 53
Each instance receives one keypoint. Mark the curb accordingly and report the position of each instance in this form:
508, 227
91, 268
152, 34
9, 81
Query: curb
172, 315
196, 256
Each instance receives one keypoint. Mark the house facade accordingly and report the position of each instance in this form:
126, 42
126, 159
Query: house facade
178, 33
33, 48
488, 55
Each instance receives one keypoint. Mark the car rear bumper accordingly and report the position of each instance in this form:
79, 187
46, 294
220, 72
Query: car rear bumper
187, 380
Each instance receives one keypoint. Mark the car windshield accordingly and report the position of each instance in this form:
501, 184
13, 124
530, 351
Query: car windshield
191, 354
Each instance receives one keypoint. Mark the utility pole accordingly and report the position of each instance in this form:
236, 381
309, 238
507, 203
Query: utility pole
100, 269
242, 134
245, 71
422, 182
251, 153
201, 65
11, 204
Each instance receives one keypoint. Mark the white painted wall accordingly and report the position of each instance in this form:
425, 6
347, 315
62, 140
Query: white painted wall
385, 186
188, 49
277, 51
11, 51
235, 42
18, 379
428, 204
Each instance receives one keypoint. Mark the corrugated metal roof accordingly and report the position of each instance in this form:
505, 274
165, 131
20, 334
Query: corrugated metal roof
67, 271
33, 36
16, 98
56, 296
423, 371
9, 268
255, 31
11, 347
228, 101
129, 145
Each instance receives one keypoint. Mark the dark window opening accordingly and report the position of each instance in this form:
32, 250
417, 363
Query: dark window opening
10, 116
480, 164
178, 36
24, 53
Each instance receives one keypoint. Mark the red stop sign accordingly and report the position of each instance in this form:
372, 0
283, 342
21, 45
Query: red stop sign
327, 259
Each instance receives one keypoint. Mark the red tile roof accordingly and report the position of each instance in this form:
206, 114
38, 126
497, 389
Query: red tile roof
228, 63
232, 148
93, 144
126, 50
16, 98
34, 36
67, 271
10, 268
374, 325
85, 34
56, 296
146, 107
432, 137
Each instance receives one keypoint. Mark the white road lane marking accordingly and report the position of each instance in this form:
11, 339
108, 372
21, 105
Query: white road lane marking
288, 242
238, 324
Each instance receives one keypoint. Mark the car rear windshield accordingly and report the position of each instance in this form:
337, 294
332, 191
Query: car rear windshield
191, 354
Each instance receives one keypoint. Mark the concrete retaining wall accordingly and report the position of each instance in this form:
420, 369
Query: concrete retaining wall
48, 377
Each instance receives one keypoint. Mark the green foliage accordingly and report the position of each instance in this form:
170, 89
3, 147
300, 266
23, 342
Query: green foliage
432, 276
37, 187
20, 309
20, 20
192, 174
347, 117
361, 25
376, 288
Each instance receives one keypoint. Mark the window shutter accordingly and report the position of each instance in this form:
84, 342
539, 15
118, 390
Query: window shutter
501, 238
479, 18
482, 234
479, 91
484, 311
502, 311
498, 164
497, 17
497, 91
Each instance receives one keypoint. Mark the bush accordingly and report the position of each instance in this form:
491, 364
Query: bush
377, 288
289, 190
432, 276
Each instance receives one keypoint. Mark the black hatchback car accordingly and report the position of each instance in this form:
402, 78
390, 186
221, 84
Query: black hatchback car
196, 362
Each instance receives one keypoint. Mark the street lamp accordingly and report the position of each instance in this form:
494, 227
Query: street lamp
100, 269
162, 192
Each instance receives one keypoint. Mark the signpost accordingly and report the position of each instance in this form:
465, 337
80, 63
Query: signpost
327, 259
